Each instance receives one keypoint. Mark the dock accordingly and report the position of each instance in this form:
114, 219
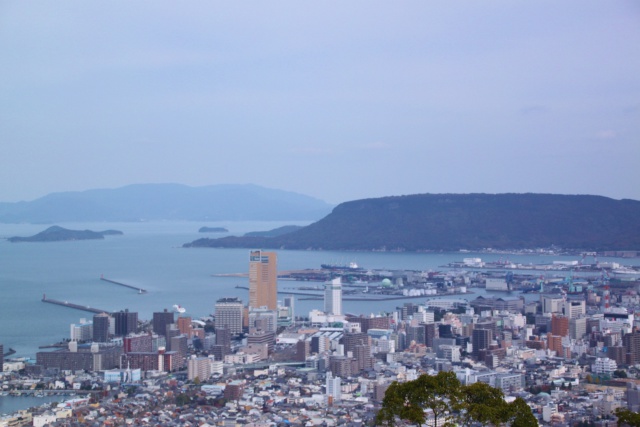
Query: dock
72, 305
135, 288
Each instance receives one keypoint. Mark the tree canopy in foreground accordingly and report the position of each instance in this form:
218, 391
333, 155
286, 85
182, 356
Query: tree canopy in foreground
441, 398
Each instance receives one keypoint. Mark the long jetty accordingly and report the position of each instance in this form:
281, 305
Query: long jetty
135, 288
72, 305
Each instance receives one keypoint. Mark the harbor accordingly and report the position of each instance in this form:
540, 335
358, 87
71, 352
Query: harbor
72, 305
135, 288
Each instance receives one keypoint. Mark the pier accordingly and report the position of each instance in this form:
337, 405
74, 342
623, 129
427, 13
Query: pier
72, 305
135, 288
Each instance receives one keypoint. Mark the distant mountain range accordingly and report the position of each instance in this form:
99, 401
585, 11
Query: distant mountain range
440, 222
145, 202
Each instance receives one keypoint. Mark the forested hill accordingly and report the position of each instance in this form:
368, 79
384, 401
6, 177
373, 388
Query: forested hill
463, 221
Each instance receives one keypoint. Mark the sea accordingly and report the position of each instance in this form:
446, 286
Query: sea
150, 255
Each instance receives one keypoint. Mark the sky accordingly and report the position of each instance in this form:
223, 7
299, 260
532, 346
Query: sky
335, 100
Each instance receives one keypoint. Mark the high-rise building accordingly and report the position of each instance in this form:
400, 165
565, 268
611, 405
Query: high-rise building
263, 280
160, 321
185, 327
560, 325
179, 345
228, 312
126, 322
101, 327
289, 302
263, 319
632, 347
333, 387
480, 339
430, 333
82, 331
333, 297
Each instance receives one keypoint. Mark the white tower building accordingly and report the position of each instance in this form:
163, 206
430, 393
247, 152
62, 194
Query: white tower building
333, 297
334, 387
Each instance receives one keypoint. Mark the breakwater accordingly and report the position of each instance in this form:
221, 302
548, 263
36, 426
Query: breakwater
72, 305
135, 288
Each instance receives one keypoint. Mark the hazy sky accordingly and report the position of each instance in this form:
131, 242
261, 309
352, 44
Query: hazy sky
337, 100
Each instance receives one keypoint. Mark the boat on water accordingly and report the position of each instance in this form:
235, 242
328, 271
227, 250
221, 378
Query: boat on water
352, 266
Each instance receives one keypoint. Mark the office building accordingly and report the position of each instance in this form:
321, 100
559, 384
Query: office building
430, 333
577, 327
263, 280
126, 322
481, 339
560, 325
263, 319
185, 327
631, 343
82, 331
573, 308
333, 297
101, 327
289, 303
228, 313
161, 320
179, 346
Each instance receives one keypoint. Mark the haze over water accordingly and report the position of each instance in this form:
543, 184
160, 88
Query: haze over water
149, 255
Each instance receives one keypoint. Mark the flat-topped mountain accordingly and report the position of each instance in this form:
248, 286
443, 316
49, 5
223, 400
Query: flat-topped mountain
463, 221
56, 234
148, 202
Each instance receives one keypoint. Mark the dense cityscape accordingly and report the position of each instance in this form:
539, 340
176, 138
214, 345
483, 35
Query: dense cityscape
568, 346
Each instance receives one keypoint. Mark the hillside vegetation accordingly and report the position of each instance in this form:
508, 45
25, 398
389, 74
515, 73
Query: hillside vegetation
463, 221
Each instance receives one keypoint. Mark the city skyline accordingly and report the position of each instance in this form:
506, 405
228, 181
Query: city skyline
339, 102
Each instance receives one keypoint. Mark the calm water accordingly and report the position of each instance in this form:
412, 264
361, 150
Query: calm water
149, 255
11, 404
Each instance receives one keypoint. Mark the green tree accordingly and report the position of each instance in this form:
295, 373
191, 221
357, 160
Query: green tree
451, 403
520, 414
484, 404
440, 393
619, 373
182, 399
627, 417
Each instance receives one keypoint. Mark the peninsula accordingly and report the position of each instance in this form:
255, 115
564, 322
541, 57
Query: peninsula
445, 222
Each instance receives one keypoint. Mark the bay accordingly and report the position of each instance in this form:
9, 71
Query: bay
150, 255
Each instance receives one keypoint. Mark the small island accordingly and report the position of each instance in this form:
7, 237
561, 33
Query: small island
213, 230
57, 234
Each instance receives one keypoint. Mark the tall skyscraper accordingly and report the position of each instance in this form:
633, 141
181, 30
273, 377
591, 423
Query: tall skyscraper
263, 280
333, 296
